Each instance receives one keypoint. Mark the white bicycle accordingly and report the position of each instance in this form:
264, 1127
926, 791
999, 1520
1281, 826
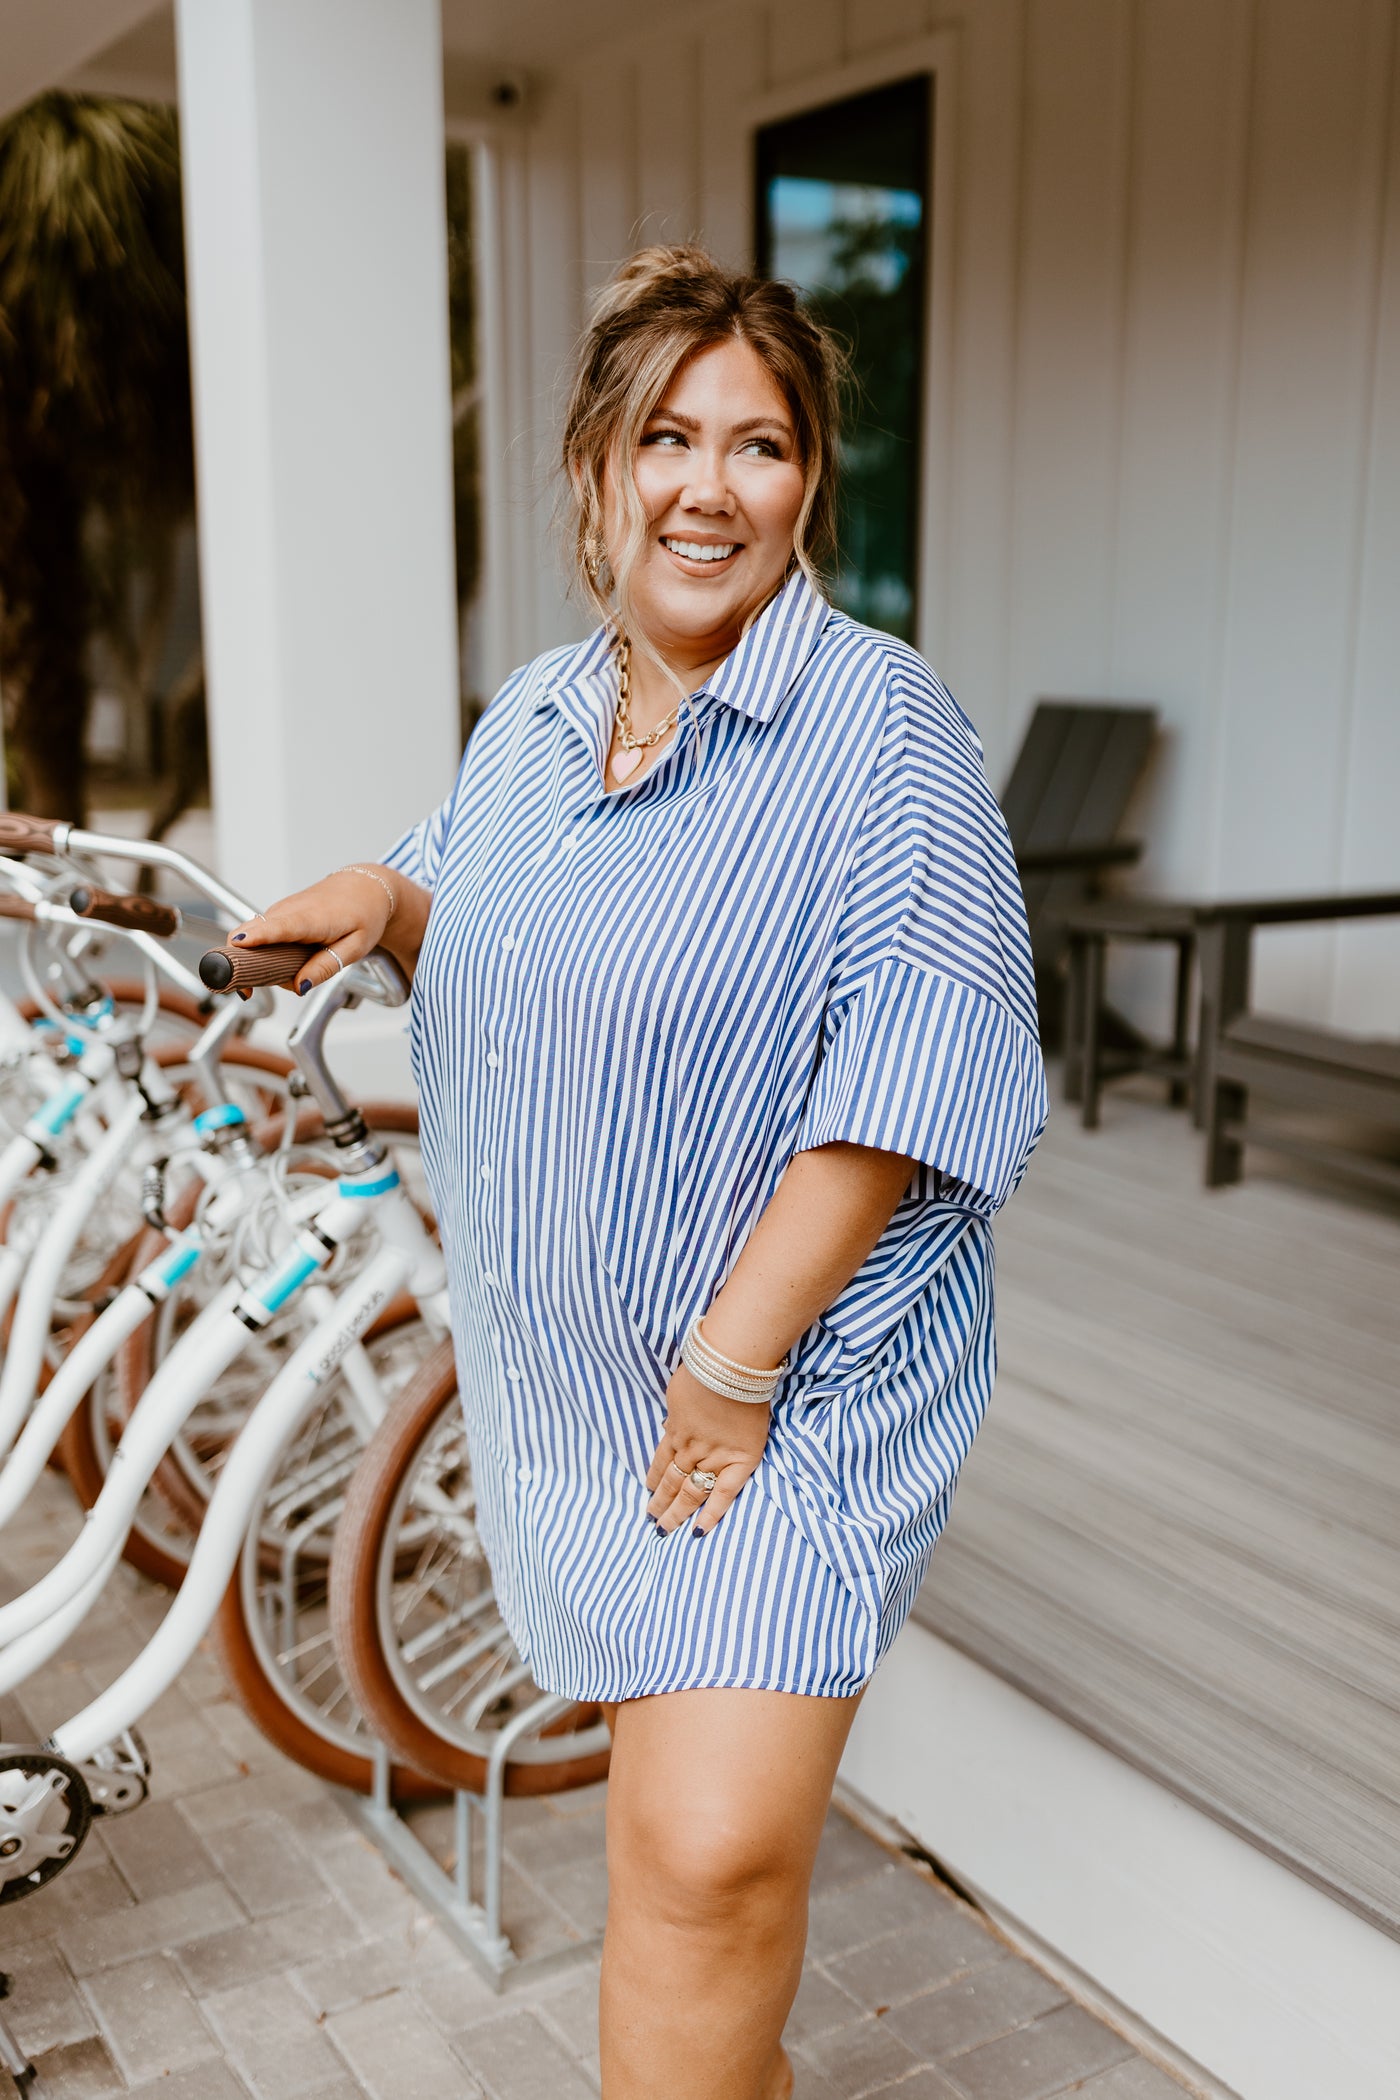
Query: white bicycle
362, 1267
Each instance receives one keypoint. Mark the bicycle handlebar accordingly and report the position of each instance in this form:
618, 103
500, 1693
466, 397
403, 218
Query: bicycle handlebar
229, 969
15, 907
25, 834
22, 834
138, 914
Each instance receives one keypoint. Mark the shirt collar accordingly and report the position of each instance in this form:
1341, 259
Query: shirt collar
755, 678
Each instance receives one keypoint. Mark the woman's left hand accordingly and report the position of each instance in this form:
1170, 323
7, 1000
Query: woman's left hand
704, 1433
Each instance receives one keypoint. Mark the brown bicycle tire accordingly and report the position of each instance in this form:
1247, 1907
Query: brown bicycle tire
261, 1696
388, 1458
130, 991
285, 1730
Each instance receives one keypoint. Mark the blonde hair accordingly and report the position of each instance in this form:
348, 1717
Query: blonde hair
661, 308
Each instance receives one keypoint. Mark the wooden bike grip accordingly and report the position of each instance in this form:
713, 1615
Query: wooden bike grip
15, 908
138, 914
22, 834
230, 969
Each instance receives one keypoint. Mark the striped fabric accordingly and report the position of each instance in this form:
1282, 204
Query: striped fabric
803, 924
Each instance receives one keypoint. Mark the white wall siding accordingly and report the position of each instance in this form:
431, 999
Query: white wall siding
1368, 969
1173, 469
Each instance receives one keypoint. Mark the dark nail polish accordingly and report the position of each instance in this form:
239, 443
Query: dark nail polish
696, 1532
240, 936
304, 987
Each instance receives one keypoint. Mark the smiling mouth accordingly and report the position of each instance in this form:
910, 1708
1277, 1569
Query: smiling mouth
704, 551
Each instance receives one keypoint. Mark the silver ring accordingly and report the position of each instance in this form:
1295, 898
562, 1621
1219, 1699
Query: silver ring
679, 1467
705, 1482
338, 963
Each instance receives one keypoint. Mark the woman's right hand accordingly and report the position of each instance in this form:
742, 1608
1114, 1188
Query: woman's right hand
343, 917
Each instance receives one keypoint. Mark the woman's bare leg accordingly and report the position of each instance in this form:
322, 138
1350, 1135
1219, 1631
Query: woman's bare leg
715, 1807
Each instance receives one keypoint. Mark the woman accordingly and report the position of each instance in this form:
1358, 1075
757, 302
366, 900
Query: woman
722, 1007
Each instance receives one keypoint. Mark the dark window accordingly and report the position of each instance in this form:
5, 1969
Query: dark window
843, 213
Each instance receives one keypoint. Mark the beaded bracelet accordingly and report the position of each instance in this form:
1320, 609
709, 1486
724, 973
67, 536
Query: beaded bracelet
721, 1374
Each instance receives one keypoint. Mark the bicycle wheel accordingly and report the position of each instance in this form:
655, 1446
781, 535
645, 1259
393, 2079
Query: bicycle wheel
421, 1642
272, 1633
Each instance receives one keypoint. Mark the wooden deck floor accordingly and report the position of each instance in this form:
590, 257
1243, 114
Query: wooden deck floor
1180, 1527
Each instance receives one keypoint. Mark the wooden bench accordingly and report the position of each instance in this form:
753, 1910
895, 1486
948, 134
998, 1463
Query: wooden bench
1245, 1057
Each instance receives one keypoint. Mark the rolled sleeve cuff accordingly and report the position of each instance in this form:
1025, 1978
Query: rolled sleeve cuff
407, 855
928, 1067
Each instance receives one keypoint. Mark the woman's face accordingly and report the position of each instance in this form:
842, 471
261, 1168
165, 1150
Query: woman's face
720, 481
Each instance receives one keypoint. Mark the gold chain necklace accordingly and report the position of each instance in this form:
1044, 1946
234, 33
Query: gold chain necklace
626, 761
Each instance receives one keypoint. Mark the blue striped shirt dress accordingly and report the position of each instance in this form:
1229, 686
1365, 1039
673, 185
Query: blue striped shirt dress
801, 924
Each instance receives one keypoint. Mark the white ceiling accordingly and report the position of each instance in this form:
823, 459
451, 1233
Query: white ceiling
481, 38
43, 40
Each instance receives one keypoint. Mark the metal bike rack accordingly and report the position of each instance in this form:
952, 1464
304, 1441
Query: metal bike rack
12, 2056
473, 1919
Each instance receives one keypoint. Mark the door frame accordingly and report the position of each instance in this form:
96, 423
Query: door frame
937, 56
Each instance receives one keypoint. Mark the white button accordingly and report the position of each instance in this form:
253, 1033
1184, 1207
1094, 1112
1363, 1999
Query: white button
507, 943
488, 1279
486, 1173
523, 1473
492, 1059
513, 1375
569, 843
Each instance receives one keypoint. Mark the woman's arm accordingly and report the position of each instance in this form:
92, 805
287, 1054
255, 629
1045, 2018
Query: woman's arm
826, 1215
353, 910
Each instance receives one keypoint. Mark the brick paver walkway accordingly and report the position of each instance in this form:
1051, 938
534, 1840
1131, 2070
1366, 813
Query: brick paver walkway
237, 1936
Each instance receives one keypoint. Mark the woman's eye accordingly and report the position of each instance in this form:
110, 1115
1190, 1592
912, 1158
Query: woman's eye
766, 448
663, 437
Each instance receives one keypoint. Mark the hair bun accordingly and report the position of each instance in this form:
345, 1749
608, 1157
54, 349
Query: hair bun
659, 270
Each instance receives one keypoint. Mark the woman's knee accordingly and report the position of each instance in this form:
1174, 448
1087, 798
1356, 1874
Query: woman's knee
714, 1867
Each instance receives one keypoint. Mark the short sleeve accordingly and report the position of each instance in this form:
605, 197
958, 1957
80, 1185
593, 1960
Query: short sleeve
417, 853
930, 1046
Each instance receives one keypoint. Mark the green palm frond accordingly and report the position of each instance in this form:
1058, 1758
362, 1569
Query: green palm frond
91, 275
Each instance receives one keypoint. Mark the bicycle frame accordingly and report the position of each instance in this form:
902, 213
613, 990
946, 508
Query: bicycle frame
95, 1350
140, 1121
278, 1416
368, 1193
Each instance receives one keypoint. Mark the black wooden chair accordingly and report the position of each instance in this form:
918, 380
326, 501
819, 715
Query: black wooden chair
1067, 795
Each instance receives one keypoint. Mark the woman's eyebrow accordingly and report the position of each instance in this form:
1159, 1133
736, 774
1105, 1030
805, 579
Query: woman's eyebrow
670, 415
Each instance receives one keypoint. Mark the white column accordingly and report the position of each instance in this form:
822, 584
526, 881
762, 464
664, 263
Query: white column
312, 142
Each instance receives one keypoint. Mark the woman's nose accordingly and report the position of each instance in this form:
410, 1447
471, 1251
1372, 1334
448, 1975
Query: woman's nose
708, 488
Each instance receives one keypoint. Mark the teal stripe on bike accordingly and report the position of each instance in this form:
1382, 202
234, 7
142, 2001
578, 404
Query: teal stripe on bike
220, 1118
176, 1262
381, 1187
58, 1111
286, 1279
